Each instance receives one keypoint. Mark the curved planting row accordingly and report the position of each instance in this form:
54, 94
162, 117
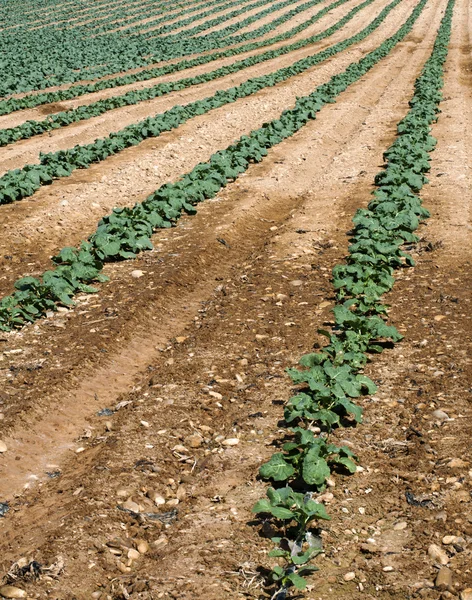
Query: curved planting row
332, 378
22, 183
97, 11
55, 56
162, 31
32, 128
32, 100
126, 15
127, 231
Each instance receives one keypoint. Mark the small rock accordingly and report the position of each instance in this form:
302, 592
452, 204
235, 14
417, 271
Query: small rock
180, 339
349, 576
465, 594
157, 498
145, 423
282, 297
260, 336
10, 591
123, 493
449, 539
180, 449
388, 569
162, 541
122, 567
231, 442
326, 498
440, 415
444, 579
296, 283
96, 595
130, 505
463, 496
3, 447
216, 395
143, 547
401, 525
438, 555
137, 273
133, 554
194, 441
457, 463
173, 502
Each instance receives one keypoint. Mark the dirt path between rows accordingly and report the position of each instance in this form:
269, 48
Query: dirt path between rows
65, 213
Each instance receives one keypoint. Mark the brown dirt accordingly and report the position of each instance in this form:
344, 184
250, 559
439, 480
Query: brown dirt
197, 346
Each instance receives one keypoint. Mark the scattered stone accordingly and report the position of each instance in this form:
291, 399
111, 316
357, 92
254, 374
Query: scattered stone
439, 317
130, 505
216, 395
194, 441
296, 283
158, 499
449, 539
325, 498
122, 567
231, 442
466, 594
173, 502
260, 336
401, 525
388, 569
133, 554
444, 579
143, 547
3, 447
10, 591
136, 274
145, 423
457, 463
180, 449
438, 555
440, 415
123, 493
108, 425
162, 541
349, 576
180, 339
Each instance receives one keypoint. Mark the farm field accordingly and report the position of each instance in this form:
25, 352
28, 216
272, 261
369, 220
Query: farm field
235, 299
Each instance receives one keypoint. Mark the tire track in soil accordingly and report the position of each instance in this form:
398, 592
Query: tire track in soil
129, 322
62, 214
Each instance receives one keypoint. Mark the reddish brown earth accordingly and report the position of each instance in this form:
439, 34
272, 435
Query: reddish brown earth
192, 353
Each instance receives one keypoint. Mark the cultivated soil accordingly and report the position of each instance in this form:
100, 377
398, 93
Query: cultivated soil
163, 393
